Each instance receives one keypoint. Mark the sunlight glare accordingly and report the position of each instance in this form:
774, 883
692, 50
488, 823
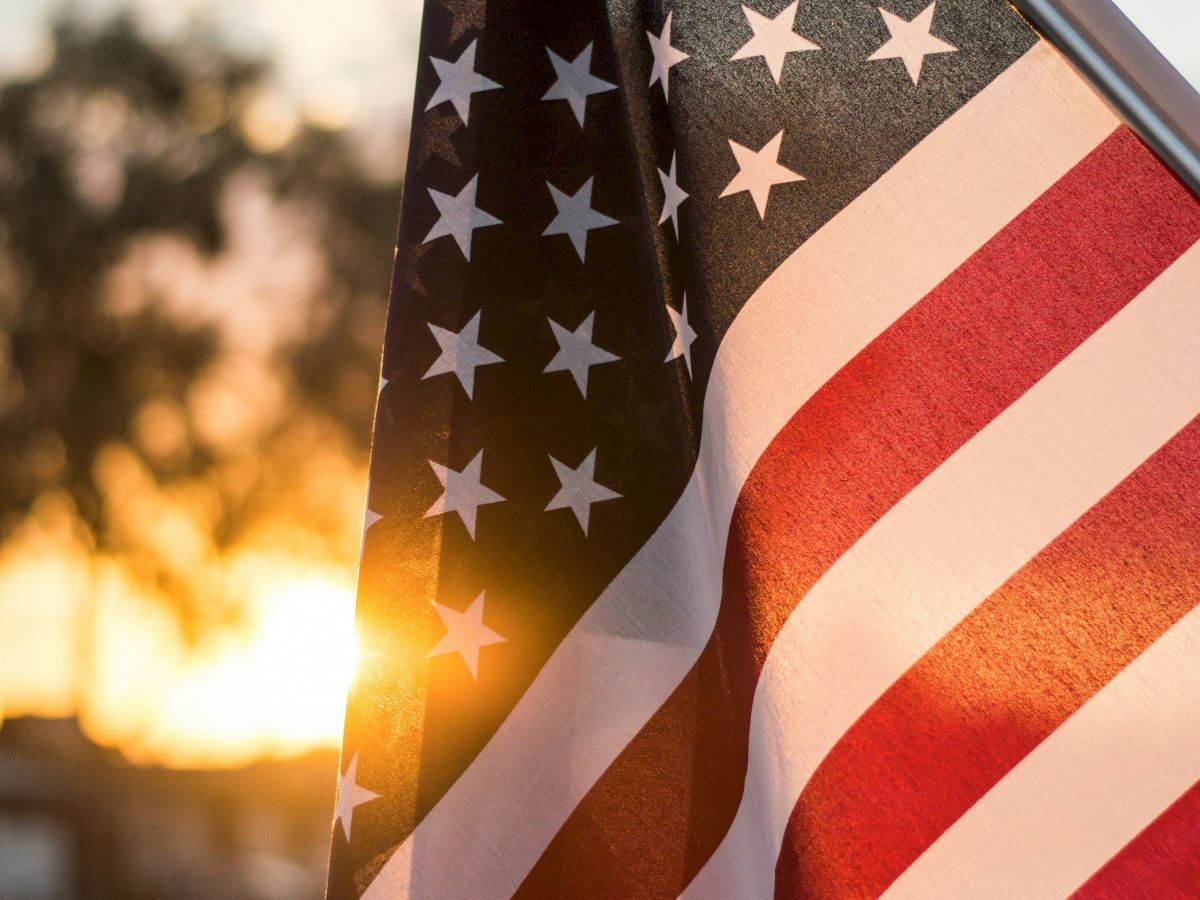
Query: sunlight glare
276, 688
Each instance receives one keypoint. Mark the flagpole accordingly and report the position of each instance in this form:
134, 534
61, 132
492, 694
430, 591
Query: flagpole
1141, 85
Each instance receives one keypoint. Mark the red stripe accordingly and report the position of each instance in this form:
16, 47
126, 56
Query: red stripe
999, 683
1163, 861
886, 420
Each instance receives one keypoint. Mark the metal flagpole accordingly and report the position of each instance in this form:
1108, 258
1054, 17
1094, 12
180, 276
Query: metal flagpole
1144, 89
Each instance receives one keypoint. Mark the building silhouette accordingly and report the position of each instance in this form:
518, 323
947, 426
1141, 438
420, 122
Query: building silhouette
78, 821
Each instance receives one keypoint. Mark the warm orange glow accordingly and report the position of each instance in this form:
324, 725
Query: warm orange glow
97, 642
269, 122
44, 576
276, 688
183, 581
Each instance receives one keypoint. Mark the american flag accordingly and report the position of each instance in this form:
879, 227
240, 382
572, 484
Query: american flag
785, 470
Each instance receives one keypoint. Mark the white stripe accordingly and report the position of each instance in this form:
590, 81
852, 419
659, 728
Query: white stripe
951, 542
1083, 793
832, 297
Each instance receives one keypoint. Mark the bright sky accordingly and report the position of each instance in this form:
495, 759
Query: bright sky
360, 55
366, 50
1174, 27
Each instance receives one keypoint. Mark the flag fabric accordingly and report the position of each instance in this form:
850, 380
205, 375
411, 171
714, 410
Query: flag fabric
785, 477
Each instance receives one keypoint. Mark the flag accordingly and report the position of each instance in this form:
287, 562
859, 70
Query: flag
784, 476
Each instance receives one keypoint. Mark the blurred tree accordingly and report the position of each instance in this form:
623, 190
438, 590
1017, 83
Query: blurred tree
192, 293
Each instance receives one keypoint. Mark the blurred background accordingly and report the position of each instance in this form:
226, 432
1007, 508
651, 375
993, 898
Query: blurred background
198, 203
198, 200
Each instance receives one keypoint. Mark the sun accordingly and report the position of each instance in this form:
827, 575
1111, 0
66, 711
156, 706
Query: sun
276, 688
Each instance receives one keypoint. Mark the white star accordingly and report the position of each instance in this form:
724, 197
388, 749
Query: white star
459, 216
684, 336
349, 795
576, 352
579, 489
575, 81
673, 195
459, 81
462, 493
665, 56
369, 519
773, 39
911, 41
465, 634
758, 171
576, 216
461, 354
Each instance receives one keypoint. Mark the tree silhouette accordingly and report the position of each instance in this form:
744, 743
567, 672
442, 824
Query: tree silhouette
124, 169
